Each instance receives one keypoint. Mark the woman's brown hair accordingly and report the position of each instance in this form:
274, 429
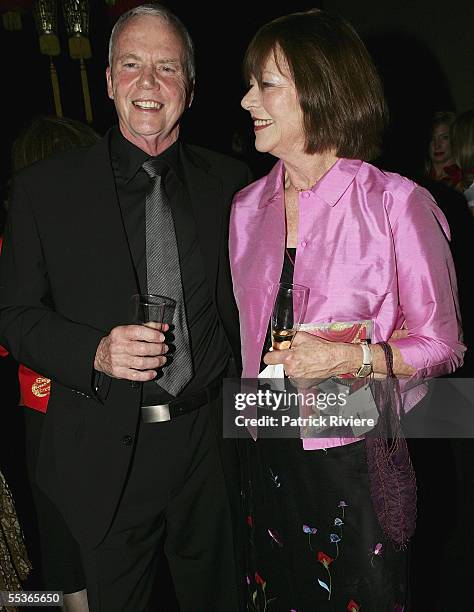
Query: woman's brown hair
338, 86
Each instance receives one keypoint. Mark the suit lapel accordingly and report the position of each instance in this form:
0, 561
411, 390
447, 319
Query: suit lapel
106, 232
206, 195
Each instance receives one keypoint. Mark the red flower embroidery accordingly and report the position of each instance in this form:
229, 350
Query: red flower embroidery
326, 560
352, 606
259, 579
250, 521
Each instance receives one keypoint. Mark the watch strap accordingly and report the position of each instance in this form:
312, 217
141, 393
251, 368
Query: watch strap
366, 367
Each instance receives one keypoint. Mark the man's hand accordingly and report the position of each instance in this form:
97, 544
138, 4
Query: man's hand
133, 352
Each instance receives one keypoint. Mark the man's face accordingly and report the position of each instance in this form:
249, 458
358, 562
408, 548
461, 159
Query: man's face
147, 83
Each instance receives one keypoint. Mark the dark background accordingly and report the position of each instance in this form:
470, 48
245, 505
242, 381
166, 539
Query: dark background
425, 54
423, 49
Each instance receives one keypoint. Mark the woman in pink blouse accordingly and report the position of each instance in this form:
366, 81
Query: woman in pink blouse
371, 246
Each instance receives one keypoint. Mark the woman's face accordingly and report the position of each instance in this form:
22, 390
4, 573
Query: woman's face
440, 146
275, 110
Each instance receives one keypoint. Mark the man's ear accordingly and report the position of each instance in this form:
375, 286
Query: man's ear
108, 76
190, 95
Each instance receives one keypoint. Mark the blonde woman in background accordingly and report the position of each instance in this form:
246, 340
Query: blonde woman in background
440, 165
462, 145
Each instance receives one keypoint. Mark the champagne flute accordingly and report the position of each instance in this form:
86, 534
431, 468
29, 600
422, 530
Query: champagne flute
288, 313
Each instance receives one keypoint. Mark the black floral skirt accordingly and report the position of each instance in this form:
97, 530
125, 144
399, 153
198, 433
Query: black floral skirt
314, 542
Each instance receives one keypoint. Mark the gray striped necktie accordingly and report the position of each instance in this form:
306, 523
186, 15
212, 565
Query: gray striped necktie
164, 276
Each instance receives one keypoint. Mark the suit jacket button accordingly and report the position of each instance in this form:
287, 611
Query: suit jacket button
127, 440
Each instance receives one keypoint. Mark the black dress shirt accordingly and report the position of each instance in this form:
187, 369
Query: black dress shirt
209, 345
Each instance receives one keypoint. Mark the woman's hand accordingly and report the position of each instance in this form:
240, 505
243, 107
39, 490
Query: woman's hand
399, 333
313, 358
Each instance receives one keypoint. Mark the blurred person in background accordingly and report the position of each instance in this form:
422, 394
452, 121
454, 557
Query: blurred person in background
61, 567
462, 146
440, 165
14, 562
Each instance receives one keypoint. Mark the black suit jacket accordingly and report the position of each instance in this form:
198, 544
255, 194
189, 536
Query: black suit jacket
66, 279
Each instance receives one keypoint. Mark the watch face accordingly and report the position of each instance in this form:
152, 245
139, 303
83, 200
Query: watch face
364, 371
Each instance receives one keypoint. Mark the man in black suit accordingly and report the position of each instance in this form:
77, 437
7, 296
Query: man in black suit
128, 463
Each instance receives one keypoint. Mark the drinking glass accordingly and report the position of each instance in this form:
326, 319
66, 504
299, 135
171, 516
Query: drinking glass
288, 313
152, 310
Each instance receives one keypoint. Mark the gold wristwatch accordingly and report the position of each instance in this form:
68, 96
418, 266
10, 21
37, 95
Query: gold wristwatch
366, 367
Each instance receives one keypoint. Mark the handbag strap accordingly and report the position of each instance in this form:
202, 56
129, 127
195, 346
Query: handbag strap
387, 349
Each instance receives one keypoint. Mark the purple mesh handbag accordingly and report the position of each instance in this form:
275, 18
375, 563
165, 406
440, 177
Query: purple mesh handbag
391, 474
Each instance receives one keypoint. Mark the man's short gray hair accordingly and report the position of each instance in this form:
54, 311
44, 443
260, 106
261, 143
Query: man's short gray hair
158, 10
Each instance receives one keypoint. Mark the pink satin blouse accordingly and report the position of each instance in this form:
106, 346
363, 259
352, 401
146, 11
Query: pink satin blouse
372, 245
